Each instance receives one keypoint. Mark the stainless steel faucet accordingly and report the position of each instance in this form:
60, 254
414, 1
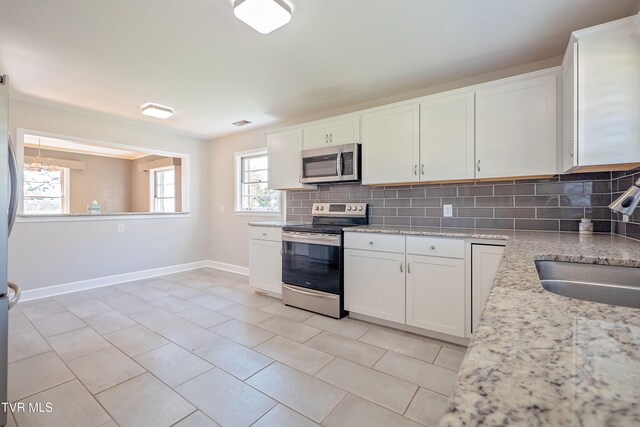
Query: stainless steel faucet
627, 203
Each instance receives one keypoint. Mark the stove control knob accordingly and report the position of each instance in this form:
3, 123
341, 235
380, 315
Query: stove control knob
353, 208
321, 208
317, 207
348, 208
359, 208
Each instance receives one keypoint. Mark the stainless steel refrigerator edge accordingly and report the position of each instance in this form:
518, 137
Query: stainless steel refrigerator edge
8, 203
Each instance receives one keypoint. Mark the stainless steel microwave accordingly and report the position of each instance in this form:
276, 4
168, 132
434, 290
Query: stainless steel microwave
331, 164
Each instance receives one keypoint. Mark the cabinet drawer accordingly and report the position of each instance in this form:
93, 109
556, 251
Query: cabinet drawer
266, 233
433, 246
374, 242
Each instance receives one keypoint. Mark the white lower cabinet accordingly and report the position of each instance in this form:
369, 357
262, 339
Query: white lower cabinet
435, 294
485, 260
265, 261
375, 284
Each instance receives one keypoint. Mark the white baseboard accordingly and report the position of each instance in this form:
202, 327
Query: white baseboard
232, 268
32, 294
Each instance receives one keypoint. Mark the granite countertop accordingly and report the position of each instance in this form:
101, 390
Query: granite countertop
540, 359
276, 223
87, 214
462, 233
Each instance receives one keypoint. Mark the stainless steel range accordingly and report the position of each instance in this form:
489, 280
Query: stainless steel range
312, 258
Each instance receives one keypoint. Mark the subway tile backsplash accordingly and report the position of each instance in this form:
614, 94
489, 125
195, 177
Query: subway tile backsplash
553, 204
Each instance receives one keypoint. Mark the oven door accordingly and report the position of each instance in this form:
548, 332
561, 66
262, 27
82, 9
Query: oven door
331, 164
312, 261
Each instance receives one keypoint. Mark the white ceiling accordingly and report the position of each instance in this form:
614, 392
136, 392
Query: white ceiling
195, 56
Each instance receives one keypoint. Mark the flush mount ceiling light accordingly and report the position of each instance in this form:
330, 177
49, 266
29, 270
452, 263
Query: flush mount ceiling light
241, 123
157, 111
263, 16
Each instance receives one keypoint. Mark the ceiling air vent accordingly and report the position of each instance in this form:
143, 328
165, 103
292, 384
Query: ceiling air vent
241, 123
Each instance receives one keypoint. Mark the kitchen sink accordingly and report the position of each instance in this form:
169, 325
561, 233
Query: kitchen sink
591, 282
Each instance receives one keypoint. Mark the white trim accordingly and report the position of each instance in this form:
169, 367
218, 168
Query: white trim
100, 217
232, 268
254, 212
99, 282
65, 288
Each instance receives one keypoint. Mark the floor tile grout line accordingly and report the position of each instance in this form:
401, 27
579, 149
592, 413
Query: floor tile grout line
410, 401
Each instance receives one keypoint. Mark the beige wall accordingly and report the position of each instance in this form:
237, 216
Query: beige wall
229, 233
105, 179
49, 253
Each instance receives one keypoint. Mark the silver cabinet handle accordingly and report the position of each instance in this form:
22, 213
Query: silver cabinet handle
371, 243
478, 165
422, 169
433, 248
280, 250
16, 294
331, 138
264, 234
300, 179
409, 267
571, 148
415, 169
326, 138
13, 175
401, 266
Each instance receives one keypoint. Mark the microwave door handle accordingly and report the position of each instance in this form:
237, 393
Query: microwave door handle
339, 163
13, 174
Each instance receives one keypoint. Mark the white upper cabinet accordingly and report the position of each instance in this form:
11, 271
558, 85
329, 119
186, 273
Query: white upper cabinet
604, 97
570, 111
338, 131
391, 144
285, 163
447, 137
516, 133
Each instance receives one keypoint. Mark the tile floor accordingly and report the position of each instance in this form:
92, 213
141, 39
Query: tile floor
199, 348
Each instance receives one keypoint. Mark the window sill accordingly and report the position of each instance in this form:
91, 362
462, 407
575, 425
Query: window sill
258, 213
100, 217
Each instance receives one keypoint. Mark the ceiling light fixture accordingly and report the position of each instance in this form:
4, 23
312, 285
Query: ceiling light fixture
241, 123
264, 16
157, 111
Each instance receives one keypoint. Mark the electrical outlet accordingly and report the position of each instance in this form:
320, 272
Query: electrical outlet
120, 228
448, 210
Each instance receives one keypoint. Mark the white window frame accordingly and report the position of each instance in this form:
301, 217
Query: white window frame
152, 188
66, 196
239, 156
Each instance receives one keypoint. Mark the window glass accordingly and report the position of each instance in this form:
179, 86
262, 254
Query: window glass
164, 199
43, 190
254, 193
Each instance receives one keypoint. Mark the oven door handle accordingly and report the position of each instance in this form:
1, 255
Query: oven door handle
312, 239
311, 294
339, 163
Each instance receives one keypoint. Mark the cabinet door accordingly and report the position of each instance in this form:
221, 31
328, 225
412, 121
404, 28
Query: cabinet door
315, 136
374, 284
265, 265
516, 128
435, 294
345, 131
391, 145
447, 137
285, 163
570, 109
485, 260
609, 95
